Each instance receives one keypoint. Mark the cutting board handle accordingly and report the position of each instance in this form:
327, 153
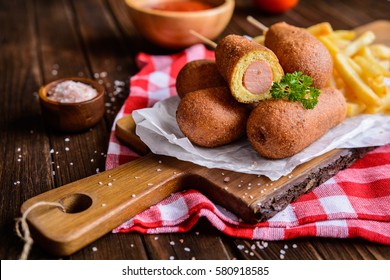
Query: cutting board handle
97, 204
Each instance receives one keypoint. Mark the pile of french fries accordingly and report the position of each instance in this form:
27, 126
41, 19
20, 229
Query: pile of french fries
361, 68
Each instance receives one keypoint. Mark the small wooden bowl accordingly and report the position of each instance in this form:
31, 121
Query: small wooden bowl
72, 117
170, 29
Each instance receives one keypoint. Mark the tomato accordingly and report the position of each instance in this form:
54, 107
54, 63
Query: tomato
275, 6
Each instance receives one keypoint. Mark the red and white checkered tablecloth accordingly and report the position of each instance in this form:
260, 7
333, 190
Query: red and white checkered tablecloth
354, 203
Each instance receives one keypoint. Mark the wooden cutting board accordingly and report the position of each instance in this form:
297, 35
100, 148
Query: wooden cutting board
97, 204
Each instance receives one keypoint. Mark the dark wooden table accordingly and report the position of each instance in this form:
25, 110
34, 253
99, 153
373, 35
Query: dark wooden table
45, 40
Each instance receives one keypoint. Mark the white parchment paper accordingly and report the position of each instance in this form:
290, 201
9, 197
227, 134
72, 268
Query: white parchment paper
157, 128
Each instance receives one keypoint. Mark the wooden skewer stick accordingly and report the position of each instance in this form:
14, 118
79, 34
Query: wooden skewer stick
257, 23
204, 39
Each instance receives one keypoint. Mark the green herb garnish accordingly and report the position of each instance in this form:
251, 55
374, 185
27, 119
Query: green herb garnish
296, 87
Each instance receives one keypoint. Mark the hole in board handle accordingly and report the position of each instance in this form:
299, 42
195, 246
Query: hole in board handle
76, 203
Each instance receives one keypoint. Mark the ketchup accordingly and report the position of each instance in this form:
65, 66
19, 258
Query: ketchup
182, 6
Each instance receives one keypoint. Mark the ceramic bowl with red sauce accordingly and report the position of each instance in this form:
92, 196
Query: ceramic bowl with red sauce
167, 23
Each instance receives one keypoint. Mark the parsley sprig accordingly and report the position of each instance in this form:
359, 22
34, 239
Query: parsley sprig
296, 87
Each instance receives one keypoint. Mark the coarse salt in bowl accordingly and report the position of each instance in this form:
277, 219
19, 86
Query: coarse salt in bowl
71, 92
72, 104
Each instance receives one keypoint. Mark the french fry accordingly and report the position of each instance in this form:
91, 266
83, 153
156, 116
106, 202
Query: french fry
385, 64
330, 45
366, 52
320, 29
343, 34
371, 75
353, 80
363, 40
380, 51
259, 39
355, 65
354, 109
383, 107
368, 68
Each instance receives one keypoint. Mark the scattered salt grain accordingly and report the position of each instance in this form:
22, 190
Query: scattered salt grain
104, 205
94, 249
259, 245
240, 247
282, 252
286, 247
281, 257
295, 246
156, 238
226, 180
66, 148
66, 139
172, 243
109, 184
171, 257
133, 195
71, 92
253, 247
187, 249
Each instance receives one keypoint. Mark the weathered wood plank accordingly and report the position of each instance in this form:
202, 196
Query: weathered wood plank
24, 168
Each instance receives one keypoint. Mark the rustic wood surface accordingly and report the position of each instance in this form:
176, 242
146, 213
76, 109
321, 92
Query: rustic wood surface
45, 40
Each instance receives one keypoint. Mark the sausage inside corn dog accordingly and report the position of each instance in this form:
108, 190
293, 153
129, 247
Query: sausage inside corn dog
248, 68
280, 128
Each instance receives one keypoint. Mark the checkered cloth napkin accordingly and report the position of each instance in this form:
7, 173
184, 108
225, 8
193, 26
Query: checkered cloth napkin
354, 203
